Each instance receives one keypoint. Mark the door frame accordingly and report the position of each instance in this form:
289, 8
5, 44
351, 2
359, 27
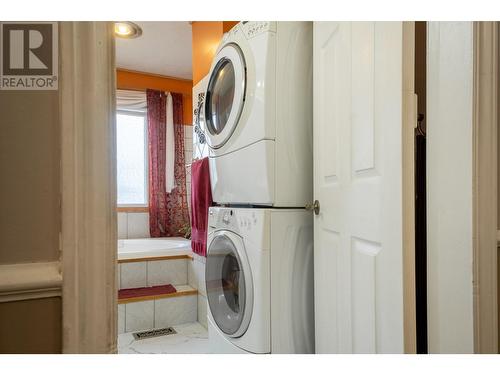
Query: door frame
485, 128
462, 186
410, 114
449, 132
88, 240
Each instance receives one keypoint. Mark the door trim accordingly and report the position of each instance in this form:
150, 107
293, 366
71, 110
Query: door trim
88, 187
23, 281
408, 154
485, 191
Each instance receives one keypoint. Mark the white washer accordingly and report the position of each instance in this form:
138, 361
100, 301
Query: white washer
260, 281
258, 115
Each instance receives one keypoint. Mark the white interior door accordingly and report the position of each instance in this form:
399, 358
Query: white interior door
359, 115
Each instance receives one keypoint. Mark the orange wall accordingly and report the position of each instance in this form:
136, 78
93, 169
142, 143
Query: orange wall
206, 38
130, 80
228, 25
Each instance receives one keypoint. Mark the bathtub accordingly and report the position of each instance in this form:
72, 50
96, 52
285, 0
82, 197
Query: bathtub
153, 247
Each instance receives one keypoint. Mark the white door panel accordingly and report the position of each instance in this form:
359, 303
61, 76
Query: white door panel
358, 117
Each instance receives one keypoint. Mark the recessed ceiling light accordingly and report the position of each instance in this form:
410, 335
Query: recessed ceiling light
127, 30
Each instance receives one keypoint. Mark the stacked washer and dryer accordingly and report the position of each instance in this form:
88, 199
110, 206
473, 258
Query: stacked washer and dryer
258, 126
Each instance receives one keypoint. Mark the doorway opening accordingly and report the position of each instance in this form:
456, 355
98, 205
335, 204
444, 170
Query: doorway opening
161, 306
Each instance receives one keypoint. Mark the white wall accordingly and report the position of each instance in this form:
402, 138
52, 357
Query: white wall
449, 186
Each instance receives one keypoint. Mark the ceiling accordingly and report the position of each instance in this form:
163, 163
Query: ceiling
164, 48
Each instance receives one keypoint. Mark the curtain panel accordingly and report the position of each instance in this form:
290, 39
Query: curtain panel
168, 211
177, 207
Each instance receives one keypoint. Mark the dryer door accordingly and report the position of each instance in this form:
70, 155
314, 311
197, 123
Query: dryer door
229, 283
225, 95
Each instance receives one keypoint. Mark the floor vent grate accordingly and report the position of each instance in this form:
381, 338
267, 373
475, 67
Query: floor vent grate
154, 333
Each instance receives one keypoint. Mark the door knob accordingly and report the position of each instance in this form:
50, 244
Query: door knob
313, 207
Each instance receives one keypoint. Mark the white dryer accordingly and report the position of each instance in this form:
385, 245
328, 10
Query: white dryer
260, 281
258, 115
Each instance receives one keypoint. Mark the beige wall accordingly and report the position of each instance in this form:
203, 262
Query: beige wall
32, 326
498, 166
30, 213
498, 191
29, 170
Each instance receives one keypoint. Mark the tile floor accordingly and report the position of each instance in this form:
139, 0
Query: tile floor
191, 338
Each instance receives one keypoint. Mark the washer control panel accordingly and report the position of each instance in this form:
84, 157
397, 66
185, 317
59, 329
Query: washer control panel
249, 223
254, 28
222, 218
232, 219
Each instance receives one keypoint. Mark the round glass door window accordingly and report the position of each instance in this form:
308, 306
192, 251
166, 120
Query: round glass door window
225, 282
220, 96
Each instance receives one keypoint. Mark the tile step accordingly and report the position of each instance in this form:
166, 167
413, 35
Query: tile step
181, 290
160, 312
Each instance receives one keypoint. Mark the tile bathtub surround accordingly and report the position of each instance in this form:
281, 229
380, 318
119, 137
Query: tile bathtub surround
160, 272
196, 273
188, 142
139, 315
118, 275
178, 310
199, 258
162, 312
202, 310
122, 225
121, 319
133, 275
138, 225
196, 278
158, 313
188, 150
152, 273
133, 225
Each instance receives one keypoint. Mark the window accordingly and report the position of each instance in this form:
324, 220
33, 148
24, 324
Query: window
131, 152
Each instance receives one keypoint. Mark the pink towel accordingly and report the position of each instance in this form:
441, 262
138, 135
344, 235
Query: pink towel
201, 200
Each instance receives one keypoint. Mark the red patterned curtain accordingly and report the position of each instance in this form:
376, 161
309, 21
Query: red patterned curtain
168, 212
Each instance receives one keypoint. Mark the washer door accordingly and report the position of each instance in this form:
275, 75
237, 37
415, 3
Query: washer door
229, 283
225, 95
